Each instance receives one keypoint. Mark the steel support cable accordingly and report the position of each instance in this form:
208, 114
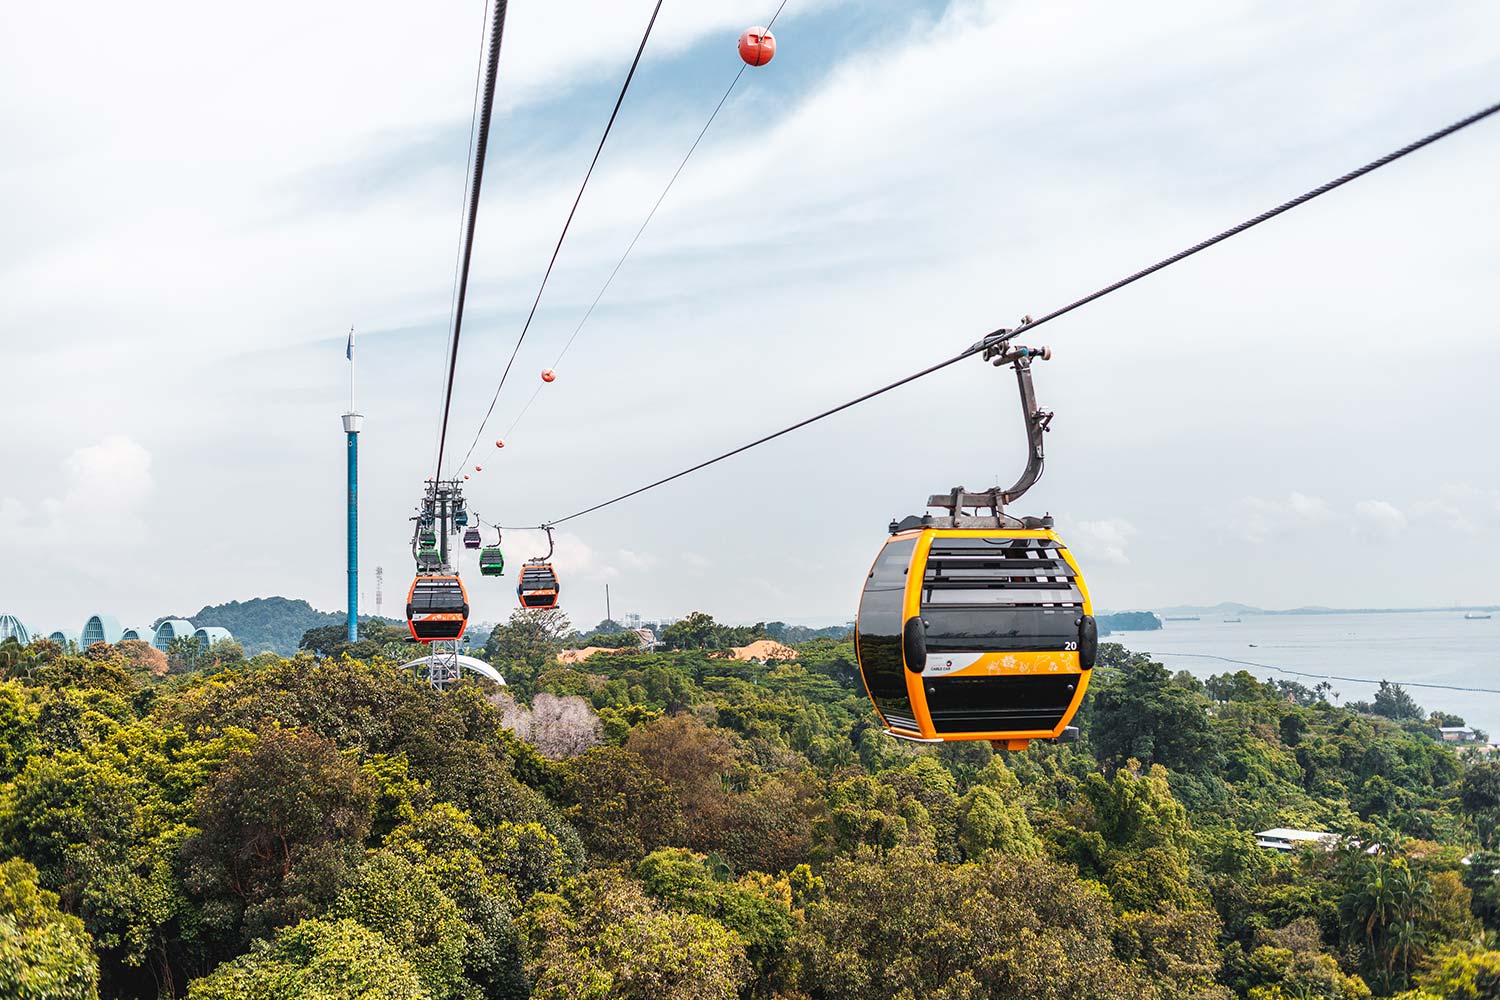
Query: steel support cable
463, 198
1331, 677
640, 50
649, 216
481, 143
633, 240
1001, 335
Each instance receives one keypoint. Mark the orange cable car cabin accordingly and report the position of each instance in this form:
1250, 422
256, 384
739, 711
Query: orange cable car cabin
538, 587
976, 634
437, 608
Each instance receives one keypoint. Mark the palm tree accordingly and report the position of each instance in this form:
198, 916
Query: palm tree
1412, 893
1371, 903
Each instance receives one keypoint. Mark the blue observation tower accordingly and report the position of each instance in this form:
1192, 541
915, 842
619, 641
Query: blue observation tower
353, 421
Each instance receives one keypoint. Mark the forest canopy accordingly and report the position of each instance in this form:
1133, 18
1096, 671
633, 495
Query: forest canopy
680, 824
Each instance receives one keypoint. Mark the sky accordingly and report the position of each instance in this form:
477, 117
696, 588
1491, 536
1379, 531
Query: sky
198, 203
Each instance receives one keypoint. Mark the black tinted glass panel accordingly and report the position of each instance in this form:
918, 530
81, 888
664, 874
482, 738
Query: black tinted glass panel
997, 704
1000, 629
879, 633
438, 597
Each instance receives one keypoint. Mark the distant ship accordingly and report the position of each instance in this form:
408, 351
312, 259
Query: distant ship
1231, 621
1184, 618
1476, 616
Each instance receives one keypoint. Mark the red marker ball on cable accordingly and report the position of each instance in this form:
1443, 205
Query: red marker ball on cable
548, 375
757, 46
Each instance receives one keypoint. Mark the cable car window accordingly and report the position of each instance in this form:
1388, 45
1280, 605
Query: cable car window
1045, 593
438, 597
880, 621
970, 630
1020, 572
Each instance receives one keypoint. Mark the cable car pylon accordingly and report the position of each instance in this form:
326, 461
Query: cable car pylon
437, 605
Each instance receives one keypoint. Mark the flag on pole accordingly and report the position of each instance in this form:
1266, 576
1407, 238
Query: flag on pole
349, 348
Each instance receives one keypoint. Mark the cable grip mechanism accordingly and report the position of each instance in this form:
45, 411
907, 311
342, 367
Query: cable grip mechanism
998, 350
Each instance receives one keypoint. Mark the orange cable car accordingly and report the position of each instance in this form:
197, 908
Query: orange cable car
979, 626
976, 634
538, 587
437, 608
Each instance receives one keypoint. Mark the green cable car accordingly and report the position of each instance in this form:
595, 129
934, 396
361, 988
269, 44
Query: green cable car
491, 561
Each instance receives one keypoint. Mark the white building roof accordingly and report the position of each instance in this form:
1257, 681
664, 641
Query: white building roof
1283, 833
1284, 839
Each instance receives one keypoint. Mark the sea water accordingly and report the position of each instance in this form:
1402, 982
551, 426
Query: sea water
1427, 647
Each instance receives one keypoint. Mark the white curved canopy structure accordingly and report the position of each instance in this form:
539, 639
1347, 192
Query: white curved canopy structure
466, 662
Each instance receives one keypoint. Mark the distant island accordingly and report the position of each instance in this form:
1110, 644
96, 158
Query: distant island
1127, 621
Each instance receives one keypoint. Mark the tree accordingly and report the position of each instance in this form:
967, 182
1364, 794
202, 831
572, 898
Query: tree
1389, 903
450, 850
603, 938
696, 631
756, 907
105, 839
902, 924
691, 758
699, 631
622, 808
45, 954
1482, 878
280, 826
1463, 972
324, 639
68, 672
770, 826
527, 644
316, 960
1395, 704
1290, 962
18, 719
333, 640
528, 856
1479, 794
451, 740
563, 726
406, 905
988, 823
1143, 714
144, 659
528, 632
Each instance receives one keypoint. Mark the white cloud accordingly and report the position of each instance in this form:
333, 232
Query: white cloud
1101, 541
579, 559
105, 488
1378, 519
887, 206
1258, 517
1459, 507
112, 475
